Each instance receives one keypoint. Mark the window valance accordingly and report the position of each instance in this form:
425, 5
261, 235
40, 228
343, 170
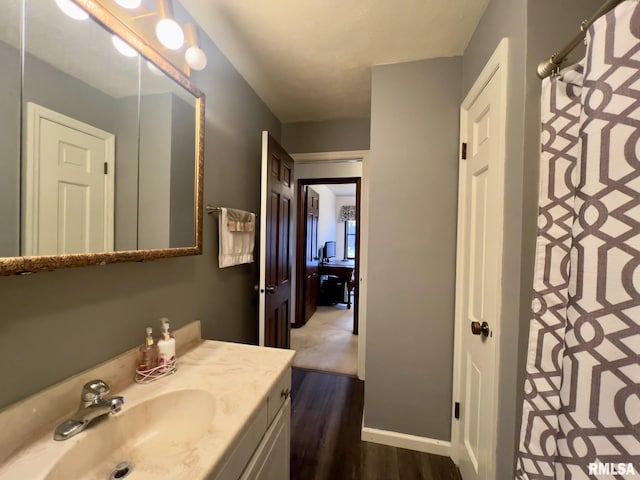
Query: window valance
347, 212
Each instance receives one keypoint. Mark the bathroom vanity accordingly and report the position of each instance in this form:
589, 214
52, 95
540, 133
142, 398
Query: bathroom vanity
225, 414
262, 451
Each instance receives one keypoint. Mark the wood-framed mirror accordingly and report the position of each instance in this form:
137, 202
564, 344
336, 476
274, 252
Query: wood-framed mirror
101, 155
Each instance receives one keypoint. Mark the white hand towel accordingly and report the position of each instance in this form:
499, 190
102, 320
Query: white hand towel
237, 238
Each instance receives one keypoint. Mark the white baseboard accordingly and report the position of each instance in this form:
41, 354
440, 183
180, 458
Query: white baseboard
403, 440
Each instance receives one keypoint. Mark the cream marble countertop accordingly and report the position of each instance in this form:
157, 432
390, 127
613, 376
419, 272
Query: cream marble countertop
239, 378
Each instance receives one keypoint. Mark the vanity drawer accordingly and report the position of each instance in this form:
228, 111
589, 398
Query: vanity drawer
279, 394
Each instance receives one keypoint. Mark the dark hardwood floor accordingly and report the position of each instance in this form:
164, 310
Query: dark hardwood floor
325, 436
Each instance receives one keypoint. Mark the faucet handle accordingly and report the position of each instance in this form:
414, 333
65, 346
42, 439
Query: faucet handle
116, 404
94, 390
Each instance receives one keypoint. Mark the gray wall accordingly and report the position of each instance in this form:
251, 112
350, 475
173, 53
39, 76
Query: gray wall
166, 157
330, 136
9, 151
413, 175
166, 173
154, 200
183, 151
75, 318
54, 89
127, 173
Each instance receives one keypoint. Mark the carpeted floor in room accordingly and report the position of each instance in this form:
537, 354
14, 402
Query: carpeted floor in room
327, 342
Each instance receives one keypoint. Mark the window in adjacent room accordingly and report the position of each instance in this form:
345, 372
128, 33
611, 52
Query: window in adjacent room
350, 239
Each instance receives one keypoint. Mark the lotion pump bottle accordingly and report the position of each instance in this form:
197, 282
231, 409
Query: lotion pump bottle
166, 348
148, 353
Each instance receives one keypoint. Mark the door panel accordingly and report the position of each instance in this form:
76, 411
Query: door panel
272, 240
275, 244
72, 201
472, 420
69, 205
74, 214
480, 246
283, 327
284, 244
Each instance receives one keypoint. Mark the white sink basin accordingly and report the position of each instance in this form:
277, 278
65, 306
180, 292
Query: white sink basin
154, 436
182, 427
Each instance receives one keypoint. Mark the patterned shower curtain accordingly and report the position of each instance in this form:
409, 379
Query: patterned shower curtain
581, 412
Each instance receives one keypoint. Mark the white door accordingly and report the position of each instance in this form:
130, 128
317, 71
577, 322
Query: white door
479, 260
69, 189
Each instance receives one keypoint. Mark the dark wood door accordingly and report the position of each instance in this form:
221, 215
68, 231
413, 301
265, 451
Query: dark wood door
278, 245
312, 283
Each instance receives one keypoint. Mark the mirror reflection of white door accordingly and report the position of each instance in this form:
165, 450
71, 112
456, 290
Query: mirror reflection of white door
68, 185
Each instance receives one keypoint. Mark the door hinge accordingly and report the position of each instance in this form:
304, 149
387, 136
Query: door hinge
106, 168
463, 151
456, 410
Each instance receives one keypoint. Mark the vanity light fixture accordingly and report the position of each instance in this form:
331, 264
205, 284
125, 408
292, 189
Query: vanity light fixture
194, 55
123, 47
72, 10
129, 4
167, 29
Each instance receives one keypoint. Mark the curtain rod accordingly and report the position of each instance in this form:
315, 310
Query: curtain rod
547, 67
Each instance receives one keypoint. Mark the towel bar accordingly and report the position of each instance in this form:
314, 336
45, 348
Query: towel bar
211, 210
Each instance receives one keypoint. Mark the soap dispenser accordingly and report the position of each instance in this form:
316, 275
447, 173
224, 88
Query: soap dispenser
166, 348
148, 358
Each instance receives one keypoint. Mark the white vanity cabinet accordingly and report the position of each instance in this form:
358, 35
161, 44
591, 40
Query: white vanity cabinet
272, 457
262, 451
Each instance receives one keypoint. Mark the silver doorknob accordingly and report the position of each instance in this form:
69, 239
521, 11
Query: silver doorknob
271, 289
478, 328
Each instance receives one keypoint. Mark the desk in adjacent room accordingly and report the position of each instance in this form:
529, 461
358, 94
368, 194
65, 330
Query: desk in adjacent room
343, 270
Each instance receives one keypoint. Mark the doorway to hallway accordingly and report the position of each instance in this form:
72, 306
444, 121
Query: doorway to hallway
327, 268
338, 165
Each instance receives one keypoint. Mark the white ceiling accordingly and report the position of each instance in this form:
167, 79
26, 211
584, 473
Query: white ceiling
343, 189
311, 60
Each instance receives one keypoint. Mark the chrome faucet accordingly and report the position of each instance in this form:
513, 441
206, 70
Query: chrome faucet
92, 405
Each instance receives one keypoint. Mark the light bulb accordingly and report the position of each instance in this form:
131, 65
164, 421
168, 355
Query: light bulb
123, 47
153, 69
130, 4
72, 10
169, 33
195, 57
